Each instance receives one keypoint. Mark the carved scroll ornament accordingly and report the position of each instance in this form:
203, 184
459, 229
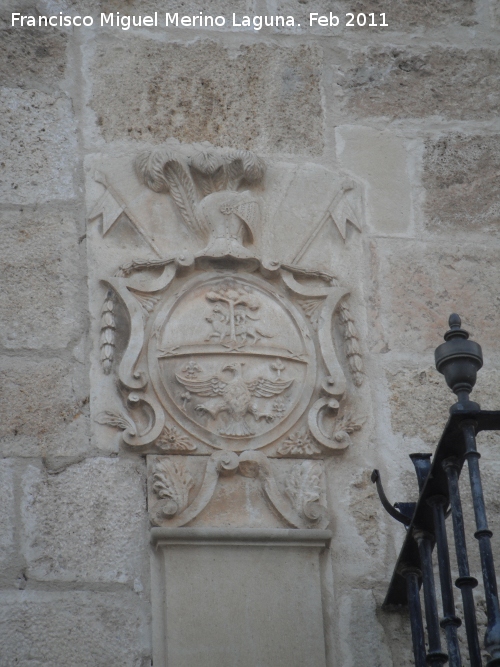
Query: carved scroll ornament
217, 345
300, 505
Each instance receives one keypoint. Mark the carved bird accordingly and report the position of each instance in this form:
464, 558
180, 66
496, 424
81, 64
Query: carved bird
235, 397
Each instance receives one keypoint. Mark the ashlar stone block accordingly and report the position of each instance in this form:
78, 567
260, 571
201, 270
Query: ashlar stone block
32, 57
38, 146
420, 399
43, 408
400, 14
419, 402
381, 160
405, 14
87, 523
426, 282
39, 301
74, 629
460, 177
195, 93
148, 7
402, 82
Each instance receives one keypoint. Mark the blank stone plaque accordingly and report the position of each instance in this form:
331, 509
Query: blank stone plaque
239, 603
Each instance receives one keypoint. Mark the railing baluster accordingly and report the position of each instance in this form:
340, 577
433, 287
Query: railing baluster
435, 656
412, 576
483, 535
450, 622
458, 359
465, 582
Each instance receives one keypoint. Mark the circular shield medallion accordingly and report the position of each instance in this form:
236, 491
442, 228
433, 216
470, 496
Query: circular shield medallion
232, 361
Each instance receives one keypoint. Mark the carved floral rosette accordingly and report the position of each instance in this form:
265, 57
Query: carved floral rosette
221, 352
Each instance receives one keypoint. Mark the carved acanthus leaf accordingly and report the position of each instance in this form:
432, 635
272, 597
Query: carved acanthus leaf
172, 483
298, 444
116, 420
346, 425
304, 488
172, 440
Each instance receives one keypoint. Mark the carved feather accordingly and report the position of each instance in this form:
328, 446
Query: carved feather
149, 168
183, 193
264, 388
244, 165
211, 182
212, 386
253, 166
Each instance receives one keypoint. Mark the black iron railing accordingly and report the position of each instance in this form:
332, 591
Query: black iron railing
458, 359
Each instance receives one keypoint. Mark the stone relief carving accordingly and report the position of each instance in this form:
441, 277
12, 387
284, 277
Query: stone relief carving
224, 331
108, 326
172, 482
304, 488
172, 440
301, 503
299, 444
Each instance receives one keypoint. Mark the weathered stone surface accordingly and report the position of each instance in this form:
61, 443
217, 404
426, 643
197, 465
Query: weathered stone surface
461, 178
32, 57
364, 509
7, 515
40, 279
300, 11
357, 611
419, 403
405, 82
381, 160
195, 94
9, 6
75, 629
43, 408
87, 523
38, 146
406, 15
148, 7
420, 400
397, 636
424, 284
400, 14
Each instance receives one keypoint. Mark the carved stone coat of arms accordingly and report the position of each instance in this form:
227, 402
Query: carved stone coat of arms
223, 309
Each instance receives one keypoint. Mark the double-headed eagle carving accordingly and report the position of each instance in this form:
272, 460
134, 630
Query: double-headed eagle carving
234, 397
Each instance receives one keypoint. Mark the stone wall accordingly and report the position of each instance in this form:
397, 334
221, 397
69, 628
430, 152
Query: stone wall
411, 111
